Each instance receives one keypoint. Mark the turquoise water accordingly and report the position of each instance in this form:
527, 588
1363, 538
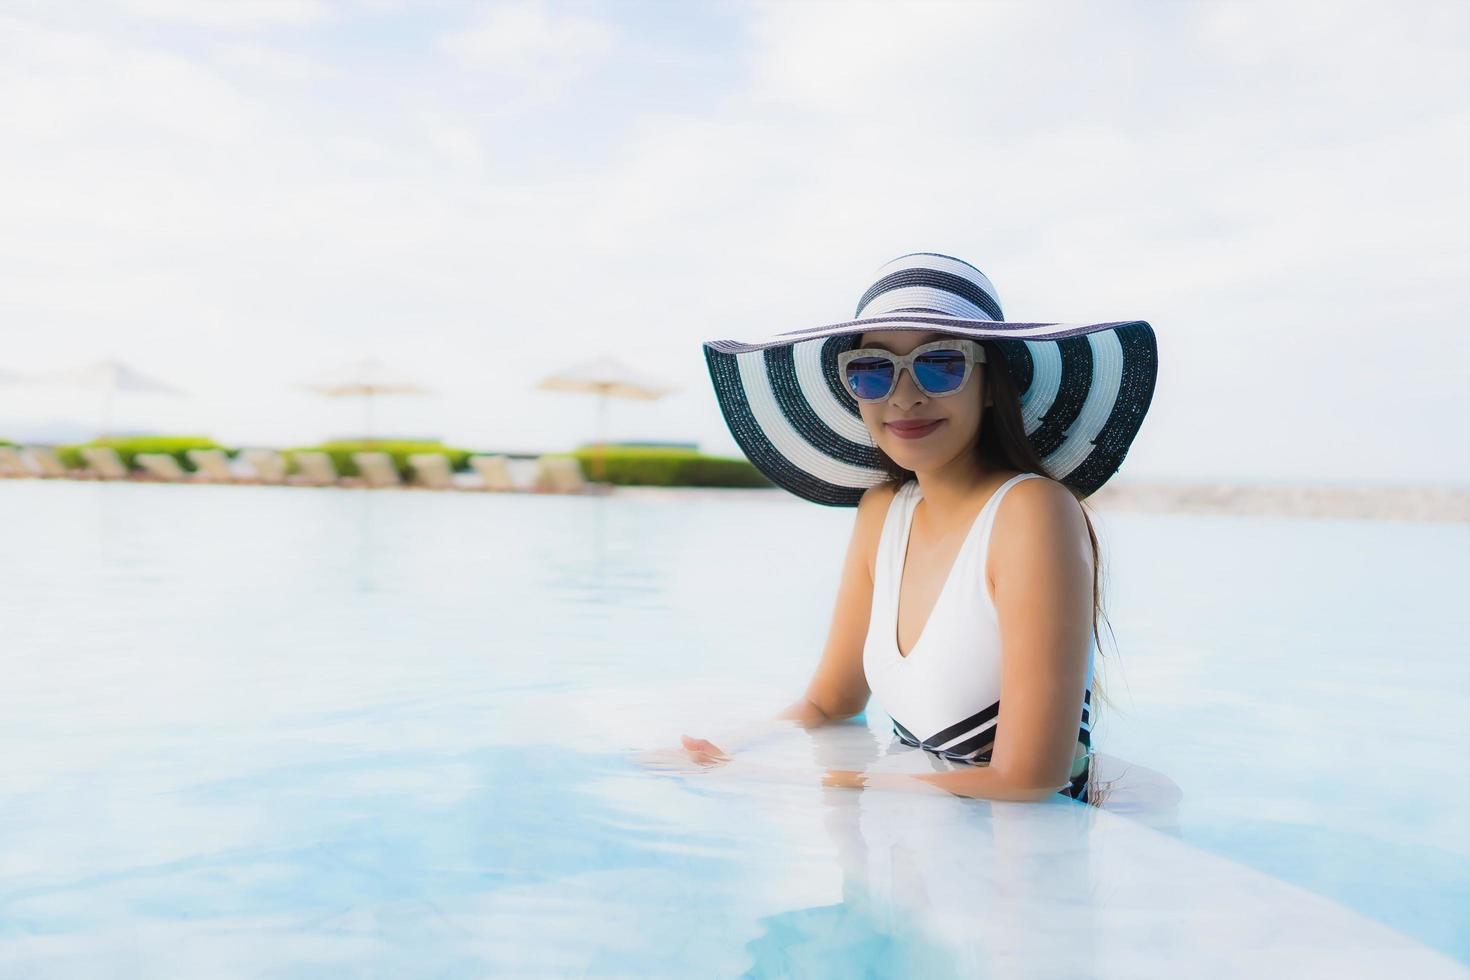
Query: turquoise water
282, 732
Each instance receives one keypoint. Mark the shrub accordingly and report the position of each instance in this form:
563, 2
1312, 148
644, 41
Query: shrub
130, 446
659, 466
652, 466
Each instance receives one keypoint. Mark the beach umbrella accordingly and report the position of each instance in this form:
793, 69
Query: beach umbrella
11, 378
110, 377
367, 378
606, 378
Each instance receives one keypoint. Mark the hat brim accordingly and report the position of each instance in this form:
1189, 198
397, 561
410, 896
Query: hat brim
1085, 388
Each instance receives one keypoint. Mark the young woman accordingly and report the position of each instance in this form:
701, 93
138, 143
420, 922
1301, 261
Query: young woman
967, 444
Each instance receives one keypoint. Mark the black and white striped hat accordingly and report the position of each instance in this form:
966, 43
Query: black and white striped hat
1084, 387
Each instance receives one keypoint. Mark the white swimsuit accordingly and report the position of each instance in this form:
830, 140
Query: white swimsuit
944, 697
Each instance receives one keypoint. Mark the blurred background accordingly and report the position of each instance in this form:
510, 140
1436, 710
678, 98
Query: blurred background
236, 198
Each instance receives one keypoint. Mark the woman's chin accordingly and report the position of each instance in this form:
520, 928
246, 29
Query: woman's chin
922, 459
914, 462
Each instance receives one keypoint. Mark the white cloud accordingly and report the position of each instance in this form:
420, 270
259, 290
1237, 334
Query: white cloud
1295, 228
866, 58
62, 86
271, 63
228, 14
542, 51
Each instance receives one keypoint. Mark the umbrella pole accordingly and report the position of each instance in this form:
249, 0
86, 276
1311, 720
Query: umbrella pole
106, 411
600, 469
367, 433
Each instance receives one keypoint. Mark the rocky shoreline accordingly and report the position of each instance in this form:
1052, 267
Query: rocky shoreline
1378, 503
1406, 503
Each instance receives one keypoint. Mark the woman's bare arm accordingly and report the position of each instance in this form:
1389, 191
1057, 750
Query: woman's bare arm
839, 686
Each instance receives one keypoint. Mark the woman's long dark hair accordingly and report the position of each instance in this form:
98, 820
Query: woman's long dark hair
1003, 445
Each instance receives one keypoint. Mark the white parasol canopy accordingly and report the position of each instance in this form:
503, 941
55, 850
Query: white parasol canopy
109, 377
606, 377
366, 378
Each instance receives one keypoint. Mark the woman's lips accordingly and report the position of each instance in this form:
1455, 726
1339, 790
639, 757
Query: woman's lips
914, 432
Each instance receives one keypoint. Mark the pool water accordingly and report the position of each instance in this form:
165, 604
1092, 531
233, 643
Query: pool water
281, 732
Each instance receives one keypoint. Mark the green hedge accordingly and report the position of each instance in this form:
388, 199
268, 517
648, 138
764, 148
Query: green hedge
341, 451
624, 465
130, 446
652, 466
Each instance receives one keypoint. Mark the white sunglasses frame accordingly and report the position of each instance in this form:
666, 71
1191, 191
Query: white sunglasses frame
974, 354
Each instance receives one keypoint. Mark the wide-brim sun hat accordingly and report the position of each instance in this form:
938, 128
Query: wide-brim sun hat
1084, 387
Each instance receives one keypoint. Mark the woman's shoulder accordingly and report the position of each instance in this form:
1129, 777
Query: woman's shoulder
873, 507
1038, 493
879, 496
999, 478
872, 514
1036, 508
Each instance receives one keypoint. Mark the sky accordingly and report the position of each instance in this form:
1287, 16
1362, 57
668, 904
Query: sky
239, 196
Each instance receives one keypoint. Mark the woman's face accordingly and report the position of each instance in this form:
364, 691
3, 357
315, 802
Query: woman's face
958, 414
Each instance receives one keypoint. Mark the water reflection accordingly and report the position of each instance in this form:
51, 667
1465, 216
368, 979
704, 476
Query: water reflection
966, 887
936, 885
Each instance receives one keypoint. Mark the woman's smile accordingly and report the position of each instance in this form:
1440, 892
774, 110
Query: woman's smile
914, 429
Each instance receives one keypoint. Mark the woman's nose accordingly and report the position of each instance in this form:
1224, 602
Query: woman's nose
905, 389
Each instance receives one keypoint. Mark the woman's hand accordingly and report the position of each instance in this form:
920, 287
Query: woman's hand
703, 751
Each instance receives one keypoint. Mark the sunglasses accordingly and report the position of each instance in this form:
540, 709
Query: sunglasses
939, 368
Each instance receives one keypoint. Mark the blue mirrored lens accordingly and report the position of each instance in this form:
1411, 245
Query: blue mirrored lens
940, 370
869, 377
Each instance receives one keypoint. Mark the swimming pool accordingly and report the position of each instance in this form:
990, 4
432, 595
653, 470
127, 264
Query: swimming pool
260, 731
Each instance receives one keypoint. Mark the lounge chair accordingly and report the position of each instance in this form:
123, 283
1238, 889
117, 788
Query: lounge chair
104, 462
44, 461
494, 471
212, 465
12, 463
377, 469
574, 479
314, 469
161, 466
432, 470
559, 474
268, 465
